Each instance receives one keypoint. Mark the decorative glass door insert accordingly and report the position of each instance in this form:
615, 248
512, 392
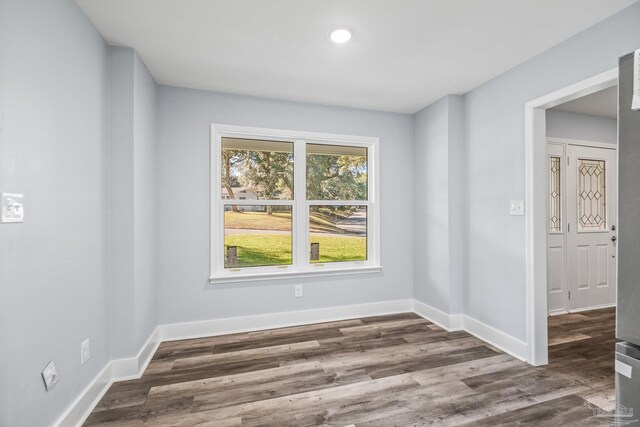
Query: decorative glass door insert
555, 199
592, 200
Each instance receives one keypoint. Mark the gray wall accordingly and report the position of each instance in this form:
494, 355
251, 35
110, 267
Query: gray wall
184, 120
144, 189
121, 226
438, 205
457, 204
564, 124
494, 146
53, 146
132, 159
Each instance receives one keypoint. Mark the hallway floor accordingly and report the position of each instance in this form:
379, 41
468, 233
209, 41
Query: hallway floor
583, 345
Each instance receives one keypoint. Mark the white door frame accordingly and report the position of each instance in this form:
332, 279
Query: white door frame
580, 142
536, 206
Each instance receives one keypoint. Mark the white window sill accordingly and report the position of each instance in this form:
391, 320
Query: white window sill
245, 275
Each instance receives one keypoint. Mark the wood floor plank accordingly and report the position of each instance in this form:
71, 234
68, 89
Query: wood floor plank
398, 367
564, 411
222, 359
238, 381
568, 338
403, 326
391, 318
396, 370
404, 352
122, 399
467, 369
434, 336
175, 405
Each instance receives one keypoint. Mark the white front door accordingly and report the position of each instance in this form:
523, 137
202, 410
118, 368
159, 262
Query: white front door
591, 202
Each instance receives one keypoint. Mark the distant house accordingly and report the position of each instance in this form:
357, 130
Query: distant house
241, 193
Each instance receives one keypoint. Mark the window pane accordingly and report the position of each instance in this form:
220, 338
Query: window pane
256, 169
338, 233
257, 235
554, 195
592, 205
336, 172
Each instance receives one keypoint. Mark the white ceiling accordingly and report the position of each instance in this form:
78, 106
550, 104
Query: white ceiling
405, 54
601, 104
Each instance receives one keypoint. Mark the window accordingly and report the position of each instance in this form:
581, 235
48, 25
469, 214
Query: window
292, 204
555, 199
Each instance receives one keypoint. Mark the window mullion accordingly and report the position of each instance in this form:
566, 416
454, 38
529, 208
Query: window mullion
216, 239
300, 225
339, 202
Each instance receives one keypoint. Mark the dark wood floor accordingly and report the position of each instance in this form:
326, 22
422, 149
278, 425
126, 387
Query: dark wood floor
397, 370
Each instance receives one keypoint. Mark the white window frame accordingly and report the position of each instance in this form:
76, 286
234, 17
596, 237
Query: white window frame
301, 265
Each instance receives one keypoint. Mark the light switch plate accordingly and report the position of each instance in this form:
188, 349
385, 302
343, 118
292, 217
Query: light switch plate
85, 351
11, 208
635, 99
516, 207
49, 375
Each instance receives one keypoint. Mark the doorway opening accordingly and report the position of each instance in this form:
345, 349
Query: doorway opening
582, 202
585, 178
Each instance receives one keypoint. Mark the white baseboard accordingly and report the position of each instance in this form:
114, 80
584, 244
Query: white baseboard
593, 307
80, 409
134, 367
580, 310
446, 321
116, 370
231, 325
489, 334
558, 312
496, 338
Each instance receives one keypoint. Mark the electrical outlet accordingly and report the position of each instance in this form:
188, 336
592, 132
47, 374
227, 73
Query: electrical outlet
298, 291
11, 208
85, 351
49, 375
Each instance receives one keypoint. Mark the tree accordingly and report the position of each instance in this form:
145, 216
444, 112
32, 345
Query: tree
336, 177
230, 158
329, 177
269, 173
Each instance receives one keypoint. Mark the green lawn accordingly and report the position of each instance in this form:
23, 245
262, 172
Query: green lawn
264, 249
258, 220
281, 221
339, 248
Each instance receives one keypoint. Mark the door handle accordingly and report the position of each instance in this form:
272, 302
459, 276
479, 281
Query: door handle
614, 238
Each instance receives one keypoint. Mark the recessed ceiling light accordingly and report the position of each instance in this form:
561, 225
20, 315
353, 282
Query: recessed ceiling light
340, 35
